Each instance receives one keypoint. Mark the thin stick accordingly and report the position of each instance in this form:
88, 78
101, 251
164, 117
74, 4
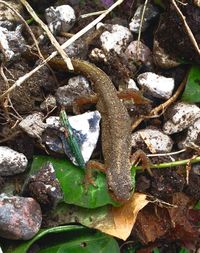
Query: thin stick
189, 31
172, 164
66, 44
142, 20
92, 14
49, 34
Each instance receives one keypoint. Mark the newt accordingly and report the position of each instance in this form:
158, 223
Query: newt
115, 125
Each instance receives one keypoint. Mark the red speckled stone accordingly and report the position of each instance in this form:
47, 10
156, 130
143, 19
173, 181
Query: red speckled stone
20, 218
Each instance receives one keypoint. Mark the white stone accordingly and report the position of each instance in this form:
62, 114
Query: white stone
156, 140
132, 84
156, 85
98, 55
192, 135
88, 128
181, 116
11, 162
150, 13
77, 86
117, 39
60, 18
11, 41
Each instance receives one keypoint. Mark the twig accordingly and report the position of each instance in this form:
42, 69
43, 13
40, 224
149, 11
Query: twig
140, 29
163, 106
49, 34
141, 20
171, 164
167, 154
92, 14
64, 45
188, 30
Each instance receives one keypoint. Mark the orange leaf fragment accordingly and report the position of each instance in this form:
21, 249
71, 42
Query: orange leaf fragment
120, 221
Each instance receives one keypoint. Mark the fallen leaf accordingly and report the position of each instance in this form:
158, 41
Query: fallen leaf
120, 221
152, 223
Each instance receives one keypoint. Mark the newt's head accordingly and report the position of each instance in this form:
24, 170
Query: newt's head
121, 186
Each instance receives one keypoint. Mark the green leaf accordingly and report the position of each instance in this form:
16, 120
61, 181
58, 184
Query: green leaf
156, 250
191, 93
183, 250
65, 214
71, 180
197, 206
70, 238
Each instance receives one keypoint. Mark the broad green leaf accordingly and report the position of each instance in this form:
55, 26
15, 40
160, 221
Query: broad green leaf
183, 250
197, 206
191, 93
71, 179
156, 250
65, 214
70, 238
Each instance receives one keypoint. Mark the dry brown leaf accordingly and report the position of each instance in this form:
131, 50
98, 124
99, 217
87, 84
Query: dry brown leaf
120, 221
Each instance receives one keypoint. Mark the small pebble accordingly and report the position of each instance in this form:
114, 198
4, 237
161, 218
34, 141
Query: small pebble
117, 38
137, 51
156, 140
150, 13
156, 85
11, 41
85, 127
97, 55
60, 18
78, 49
48, 104
132, 84
20, 218
180, 116
78, 86
33, 125
11, 162
192, 136
44, 187
163, 59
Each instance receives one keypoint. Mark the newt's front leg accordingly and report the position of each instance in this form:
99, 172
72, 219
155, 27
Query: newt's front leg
90, 166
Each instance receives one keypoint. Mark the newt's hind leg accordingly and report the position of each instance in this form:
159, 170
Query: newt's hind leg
90, 166
129, 94
140, 155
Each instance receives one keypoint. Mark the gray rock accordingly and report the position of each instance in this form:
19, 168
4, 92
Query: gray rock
12, 41
192, 135
11, 162
33, 125
44, 187
155, 139
78, 86
162, 58
180, 116
85, 127
60, 18
20, 218
156, 85
48, 104
137, 51
150, 13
